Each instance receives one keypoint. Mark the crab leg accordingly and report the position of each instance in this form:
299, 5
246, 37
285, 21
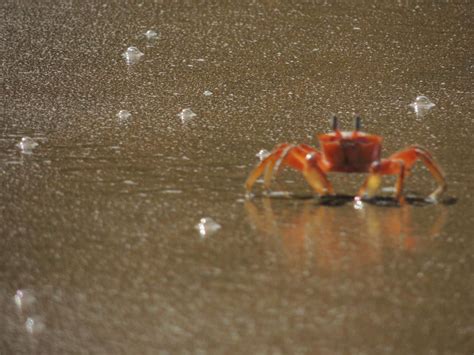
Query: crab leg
409, 157
384, 167
266, 166
400, 164
305, 159
315, 176
296, 157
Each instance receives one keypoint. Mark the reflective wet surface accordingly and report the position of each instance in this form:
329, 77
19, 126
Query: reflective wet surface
99, 250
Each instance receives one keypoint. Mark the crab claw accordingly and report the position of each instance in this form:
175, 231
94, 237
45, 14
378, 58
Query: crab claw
315, 176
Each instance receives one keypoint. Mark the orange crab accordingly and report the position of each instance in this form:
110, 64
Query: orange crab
347, 152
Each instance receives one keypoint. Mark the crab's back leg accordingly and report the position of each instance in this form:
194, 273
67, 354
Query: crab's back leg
266, 165
295, 157
409, 157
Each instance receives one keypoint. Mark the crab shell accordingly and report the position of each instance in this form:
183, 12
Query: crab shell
350, 151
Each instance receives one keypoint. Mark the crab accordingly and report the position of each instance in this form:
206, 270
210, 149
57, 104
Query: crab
347, 152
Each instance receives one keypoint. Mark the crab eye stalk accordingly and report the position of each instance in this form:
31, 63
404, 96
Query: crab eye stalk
334, 123
357, 122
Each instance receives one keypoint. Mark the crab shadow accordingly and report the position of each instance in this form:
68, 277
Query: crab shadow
344, 199
309, 234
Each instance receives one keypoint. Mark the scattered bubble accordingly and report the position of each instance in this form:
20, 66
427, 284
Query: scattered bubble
24, 298
151, 35
422, 105
34, 325
171, 191
208, 93
358, 204
26, 145
124, 115
278, 194
132, 55
186, 115
207, 226
262, 154
423, 101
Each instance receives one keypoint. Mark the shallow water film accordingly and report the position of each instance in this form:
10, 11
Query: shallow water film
132, 234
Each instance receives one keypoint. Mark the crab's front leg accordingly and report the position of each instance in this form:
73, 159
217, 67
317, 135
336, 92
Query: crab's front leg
379, 168
400, 164
410, 156
301, 157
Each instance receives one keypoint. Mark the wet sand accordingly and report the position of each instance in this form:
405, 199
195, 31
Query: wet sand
98, 223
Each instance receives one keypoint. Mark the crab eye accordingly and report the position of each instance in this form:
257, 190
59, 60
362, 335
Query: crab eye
357, 123
334, 123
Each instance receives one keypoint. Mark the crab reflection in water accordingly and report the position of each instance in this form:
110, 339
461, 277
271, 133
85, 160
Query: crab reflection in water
337, 238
